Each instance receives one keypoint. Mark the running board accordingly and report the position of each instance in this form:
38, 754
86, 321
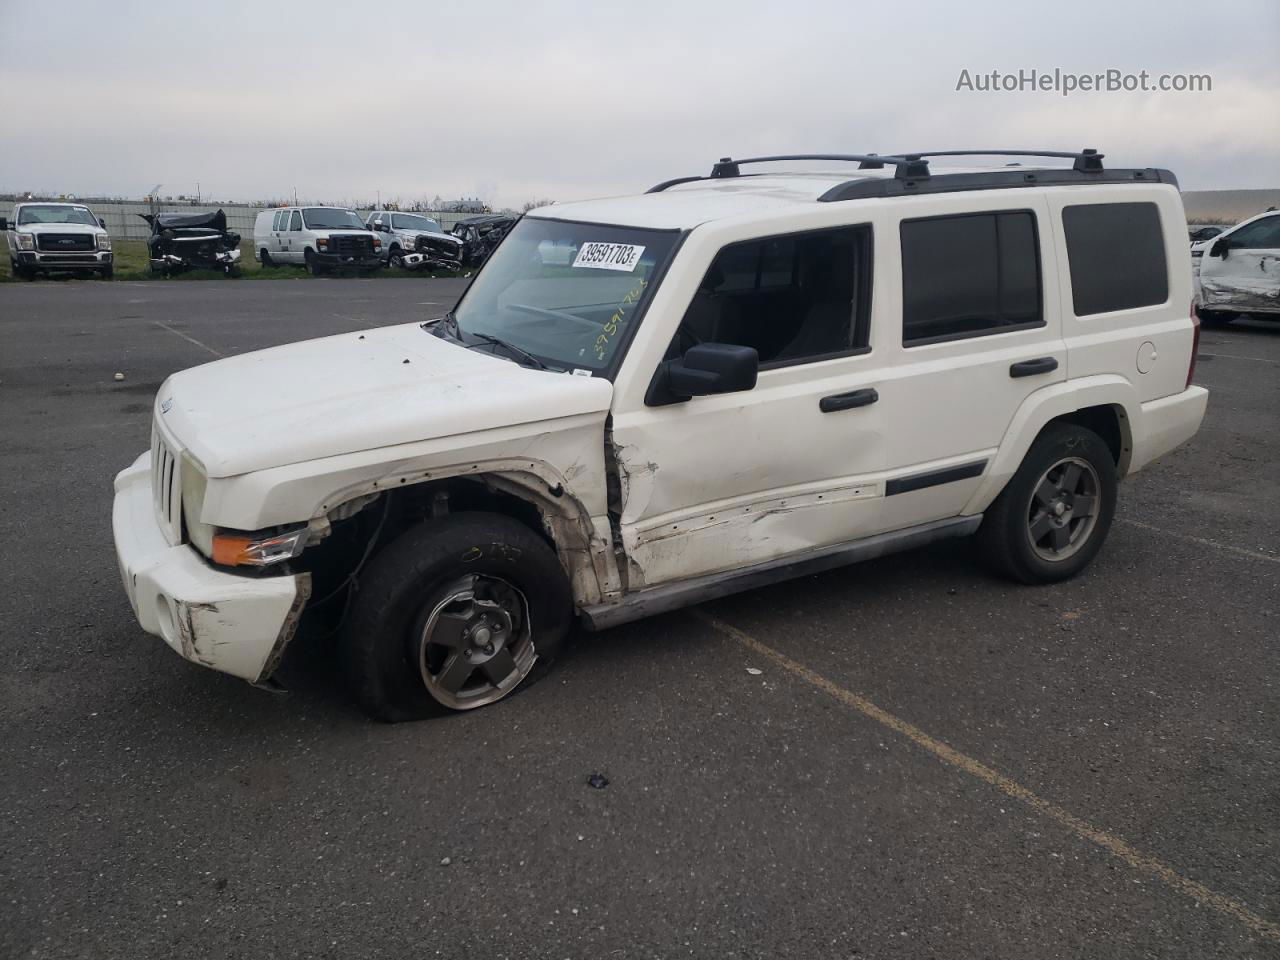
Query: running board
712, 586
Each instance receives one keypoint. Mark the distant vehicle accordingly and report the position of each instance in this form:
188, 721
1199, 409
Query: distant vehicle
56, 237
1239, 271
649, 401
1197, 234
184, 241
481, 235
412, 242
317, 238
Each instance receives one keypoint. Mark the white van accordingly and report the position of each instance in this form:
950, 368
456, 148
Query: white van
318, 238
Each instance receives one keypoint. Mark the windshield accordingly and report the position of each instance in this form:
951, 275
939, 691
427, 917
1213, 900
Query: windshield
331, 218
407, 221
566, 292
52, 213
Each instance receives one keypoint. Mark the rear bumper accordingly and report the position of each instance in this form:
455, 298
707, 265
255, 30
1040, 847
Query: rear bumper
418, 261
233, 624
1167, 424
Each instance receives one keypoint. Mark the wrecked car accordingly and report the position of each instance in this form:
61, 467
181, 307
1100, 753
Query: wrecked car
1239, 271
415, 242
192, 241
646, 402
480, 236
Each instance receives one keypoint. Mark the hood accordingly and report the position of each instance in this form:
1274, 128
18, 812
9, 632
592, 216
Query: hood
59, 228
353, 392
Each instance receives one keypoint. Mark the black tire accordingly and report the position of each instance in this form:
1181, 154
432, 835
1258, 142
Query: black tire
394, 259
108, 272
1006, 537
309, 264
406, 585
1213, 318
265, 257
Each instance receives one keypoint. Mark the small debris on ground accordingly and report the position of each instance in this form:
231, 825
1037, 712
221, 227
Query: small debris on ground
445, 862
119, 376
597, 781
754, 671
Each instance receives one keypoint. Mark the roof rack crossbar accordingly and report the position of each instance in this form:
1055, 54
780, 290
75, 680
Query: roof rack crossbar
1087, 160
905, 167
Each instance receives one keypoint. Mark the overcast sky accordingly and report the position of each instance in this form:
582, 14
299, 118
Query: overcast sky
516, 100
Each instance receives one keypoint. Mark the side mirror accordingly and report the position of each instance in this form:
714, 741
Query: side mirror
4, 224
102, 223
713, 368
378, 226
1220, 248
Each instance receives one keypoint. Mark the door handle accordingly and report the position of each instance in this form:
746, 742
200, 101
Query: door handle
847, 401
1029, 368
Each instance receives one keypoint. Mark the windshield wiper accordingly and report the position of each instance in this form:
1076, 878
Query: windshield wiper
511, 347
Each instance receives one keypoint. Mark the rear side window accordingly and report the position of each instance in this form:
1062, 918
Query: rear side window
1116, 254
969, 275
793, 298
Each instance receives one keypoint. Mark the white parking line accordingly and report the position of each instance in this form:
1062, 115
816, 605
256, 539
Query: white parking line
1143, 862
189, 339
1232, 356
1241, 551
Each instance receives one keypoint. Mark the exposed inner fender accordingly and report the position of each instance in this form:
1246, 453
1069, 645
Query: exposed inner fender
584, 551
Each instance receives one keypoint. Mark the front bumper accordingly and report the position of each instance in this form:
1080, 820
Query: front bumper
370, 262
220, 261
418, 261
234, 624
69, 261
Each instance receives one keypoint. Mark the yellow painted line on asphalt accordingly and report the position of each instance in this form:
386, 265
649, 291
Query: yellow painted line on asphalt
189, 339
1143, 862
1239, 551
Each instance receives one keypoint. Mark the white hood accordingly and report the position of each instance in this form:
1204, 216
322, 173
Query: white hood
355, 391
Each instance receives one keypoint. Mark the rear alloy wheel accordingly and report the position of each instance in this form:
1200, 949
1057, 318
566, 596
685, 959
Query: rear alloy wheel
1053, 516
454, 614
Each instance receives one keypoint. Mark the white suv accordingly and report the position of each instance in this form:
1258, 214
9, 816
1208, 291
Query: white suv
54, 237
650, 401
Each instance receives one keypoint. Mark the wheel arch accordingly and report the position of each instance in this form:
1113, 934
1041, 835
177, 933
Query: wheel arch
1107, 405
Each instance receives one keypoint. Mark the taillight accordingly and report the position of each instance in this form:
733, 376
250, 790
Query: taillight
1195, 342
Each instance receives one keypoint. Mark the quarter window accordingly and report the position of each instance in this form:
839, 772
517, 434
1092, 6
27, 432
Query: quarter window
1116, 255
793, 298
969, 276
295, 223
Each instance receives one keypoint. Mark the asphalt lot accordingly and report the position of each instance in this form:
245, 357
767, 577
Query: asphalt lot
931, 762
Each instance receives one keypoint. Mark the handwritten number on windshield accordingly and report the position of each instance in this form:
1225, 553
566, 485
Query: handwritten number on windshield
610, 328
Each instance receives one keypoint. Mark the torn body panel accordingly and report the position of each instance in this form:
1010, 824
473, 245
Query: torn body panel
1242, 293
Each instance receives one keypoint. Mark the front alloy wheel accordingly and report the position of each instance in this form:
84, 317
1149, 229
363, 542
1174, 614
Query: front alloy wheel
476, 645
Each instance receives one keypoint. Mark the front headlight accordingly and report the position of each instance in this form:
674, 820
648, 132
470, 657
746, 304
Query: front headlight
194, 483
104, 241
377, 243
245, 550
26, 241
322, 243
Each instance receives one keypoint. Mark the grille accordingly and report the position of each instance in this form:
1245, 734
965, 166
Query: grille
166, 488
65, 242
444, 249
351, 245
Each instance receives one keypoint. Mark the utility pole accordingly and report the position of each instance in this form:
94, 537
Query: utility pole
197, 191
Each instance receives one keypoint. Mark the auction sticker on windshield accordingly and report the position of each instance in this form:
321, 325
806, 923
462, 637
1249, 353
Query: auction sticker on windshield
609, 256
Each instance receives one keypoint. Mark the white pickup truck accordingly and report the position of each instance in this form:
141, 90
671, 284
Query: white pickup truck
645, 402
56, 237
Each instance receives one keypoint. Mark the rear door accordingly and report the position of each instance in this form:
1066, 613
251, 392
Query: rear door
1245, 276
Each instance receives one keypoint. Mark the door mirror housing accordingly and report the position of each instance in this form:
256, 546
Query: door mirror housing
4, 224
1220, 248
102, 223
712, 368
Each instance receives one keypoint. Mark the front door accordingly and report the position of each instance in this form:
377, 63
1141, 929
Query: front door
877, 407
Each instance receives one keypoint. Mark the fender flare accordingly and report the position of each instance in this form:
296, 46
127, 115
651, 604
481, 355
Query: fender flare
1049, 403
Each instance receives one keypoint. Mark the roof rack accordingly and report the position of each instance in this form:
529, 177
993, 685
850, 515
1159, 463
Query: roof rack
913, 166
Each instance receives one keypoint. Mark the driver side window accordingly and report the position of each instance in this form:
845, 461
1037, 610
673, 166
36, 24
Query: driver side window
1260, 235
794, 298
